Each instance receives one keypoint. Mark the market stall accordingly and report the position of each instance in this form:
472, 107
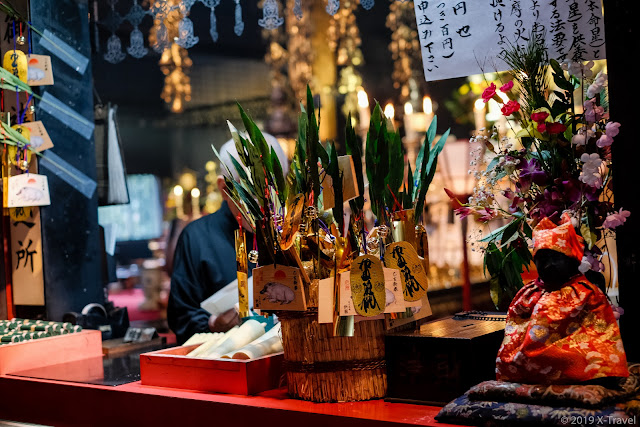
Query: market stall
303, 280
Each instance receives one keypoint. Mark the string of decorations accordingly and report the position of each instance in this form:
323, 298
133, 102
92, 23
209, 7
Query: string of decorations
405, 50
159, 10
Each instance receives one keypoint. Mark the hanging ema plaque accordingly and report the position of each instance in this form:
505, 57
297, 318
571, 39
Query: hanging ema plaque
403, 256
367, 285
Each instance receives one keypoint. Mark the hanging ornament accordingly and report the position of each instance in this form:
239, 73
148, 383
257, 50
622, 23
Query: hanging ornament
367, 4
186, 39
136, 40
21, 40
239, 27
213, 28
114, 50
136, 14
312, 212
114, 45
136, 44
297, 9
332, 7
162, 38
270, 19
253, 256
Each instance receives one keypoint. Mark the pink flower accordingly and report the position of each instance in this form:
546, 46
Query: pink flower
510, 107
463, 211
616, 219
542, 128
486, 214
612, 129
593, 112
604, 141
507, 86
489, 92
555, 128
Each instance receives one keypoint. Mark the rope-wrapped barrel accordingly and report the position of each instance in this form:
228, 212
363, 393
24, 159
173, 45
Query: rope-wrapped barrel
324, 368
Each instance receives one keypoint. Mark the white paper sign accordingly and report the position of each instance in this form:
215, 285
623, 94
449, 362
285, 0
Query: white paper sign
28, 189
460, 38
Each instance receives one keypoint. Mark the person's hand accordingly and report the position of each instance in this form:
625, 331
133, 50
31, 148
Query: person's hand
225, 321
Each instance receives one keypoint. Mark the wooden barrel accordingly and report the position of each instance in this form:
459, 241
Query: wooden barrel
324, 368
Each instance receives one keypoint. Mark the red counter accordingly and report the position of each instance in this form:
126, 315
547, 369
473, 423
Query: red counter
71, 404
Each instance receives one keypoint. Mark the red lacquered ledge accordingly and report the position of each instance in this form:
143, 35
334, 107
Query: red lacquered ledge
70, 404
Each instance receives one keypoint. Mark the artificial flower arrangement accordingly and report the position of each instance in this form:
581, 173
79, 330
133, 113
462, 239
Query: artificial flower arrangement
560, 162
317, 266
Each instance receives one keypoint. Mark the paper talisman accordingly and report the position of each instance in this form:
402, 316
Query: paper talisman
349, 183
367, 285
403, 256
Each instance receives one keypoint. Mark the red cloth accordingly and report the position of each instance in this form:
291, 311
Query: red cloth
561, 337
562, 238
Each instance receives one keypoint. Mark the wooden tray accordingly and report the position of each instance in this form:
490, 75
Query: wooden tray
172, 368
50, 351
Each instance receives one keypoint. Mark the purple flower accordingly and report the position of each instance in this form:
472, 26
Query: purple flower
612, 129
604, 141
574, 190
616, 219
530, 171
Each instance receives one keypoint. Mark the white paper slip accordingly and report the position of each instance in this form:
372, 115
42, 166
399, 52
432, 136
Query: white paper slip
68, 173
62, 50
226, 298
28, 189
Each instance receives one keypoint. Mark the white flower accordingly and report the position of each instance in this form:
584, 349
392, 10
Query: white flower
585, 265
561, 243
591, 174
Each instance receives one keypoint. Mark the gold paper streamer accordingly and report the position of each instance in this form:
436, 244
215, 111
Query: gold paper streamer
243, 272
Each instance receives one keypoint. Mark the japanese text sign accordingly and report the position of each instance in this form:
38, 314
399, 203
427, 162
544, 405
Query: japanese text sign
460, 38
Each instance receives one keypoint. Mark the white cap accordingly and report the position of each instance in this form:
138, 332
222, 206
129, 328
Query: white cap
229, 149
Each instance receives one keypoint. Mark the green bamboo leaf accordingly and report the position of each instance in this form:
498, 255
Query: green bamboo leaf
312, 147
242, 173
354, 148
220, 160
396, 163
240, 143
278, 176
408, 193
336, 176
431, 132
245, 196
256, 137
10, 82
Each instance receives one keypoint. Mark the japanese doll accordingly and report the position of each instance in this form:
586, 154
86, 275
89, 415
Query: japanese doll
560, 327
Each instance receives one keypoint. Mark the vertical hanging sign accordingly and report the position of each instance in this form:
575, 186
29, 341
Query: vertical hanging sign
460, 38
26, 255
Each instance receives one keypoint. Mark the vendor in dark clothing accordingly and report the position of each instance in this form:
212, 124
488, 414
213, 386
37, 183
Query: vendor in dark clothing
205, 262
